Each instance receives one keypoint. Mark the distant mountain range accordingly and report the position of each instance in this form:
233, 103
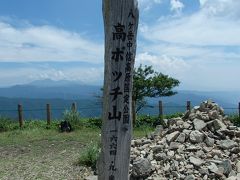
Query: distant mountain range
60, 94
48, 89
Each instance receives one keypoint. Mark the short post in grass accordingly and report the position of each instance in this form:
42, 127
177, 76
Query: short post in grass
120, 25
188, 105
160, 104
48, 114
74, 107
20, 115
239, 109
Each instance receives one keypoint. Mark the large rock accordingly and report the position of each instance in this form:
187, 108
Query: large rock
141, 168
173, 136
226, 166
217, 124
174, 145
213, 168
213, 115
181, 138
196, 136
209, 141
238, 166
199, 124
227, 144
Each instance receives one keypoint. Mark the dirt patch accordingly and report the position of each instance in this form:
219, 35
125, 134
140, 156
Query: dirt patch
42, 160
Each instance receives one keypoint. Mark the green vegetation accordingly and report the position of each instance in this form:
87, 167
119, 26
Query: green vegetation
235, 119
73, 117
90, 155
149, 83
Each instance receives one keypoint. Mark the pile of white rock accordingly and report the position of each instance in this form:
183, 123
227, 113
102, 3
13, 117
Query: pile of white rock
203, 144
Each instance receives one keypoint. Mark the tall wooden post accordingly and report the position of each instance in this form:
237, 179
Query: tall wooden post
20, 115
48, 114
120, 25
74, 107
161, 110
188, 105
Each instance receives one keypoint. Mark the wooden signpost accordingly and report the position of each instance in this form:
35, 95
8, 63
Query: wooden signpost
120, 25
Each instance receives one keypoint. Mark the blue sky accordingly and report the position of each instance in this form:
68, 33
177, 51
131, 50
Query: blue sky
195, 41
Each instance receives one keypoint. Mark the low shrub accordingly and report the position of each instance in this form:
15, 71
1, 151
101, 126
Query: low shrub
73, 117
146, 120
90, 155
235, 119
174, 115
94, 122
7, 124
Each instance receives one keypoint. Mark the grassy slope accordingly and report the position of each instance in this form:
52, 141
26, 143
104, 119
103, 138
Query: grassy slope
39, 153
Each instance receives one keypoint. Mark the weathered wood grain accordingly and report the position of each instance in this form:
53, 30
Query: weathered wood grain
120, 25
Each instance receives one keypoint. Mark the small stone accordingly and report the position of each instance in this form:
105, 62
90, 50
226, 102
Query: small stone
232, 178
157, 148
203, 171
209, 141
196, 136
174, 145
227, 144
238, 166
176, 174
232, 127
213, 115
170, 154
199, 124
181, 138
189, 166
160, 156
190, 177
232, 173
205, 177
196, 161
217, 124
138, 142
91, 178
213, 168
186, 125
173, 136
167, 167
226, 166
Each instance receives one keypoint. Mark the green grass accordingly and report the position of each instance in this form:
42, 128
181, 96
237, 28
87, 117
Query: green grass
38, 151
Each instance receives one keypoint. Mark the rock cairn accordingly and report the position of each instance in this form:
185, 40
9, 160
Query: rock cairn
203, 144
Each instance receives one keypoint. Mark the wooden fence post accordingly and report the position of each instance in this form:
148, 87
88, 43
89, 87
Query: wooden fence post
48, 114
20, 115
188, 105
161, 110
74, 107
120, 26
239, 109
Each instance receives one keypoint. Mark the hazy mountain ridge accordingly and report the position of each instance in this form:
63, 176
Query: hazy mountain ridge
37, 94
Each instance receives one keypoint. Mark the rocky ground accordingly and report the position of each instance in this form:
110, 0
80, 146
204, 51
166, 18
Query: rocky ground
203, 144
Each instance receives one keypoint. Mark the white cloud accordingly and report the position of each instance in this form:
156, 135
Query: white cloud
46, 43
166, 64
23, 75
201, 49
146, 5
176, 5
216, 23
227, 8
